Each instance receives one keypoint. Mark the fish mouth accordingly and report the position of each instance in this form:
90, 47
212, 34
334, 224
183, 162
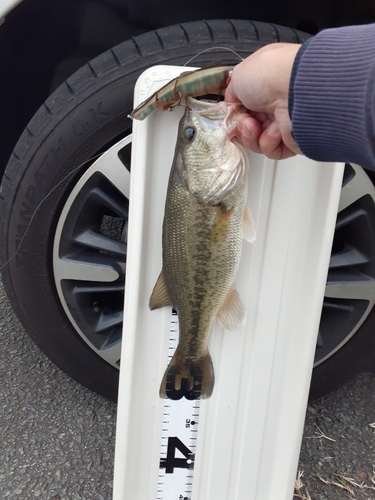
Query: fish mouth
198, 105
221, 114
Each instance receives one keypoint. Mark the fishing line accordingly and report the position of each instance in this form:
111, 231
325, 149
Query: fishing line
211, 49
40, 204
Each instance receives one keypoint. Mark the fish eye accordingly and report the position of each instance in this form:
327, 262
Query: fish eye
189, 133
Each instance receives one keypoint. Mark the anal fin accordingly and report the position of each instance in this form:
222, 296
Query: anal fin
159, 296
232, 313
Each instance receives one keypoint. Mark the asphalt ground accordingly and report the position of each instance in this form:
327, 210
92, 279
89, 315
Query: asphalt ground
57, 438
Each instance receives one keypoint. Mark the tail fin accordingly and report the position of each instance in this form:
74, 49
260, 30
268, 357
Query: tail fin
192, 381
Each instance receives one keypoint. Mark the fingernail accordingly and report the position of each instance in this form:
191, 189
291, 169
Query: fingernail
273, 130
246, 131
239, 127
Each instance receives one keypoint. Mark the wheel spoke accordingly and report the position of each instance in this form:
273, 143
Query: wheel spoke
110, 165
362, 288
348, 257
105, 200
351, 217
85, 271
107, 321
112, 354
355, 189
91, 239
100, 289
319, 340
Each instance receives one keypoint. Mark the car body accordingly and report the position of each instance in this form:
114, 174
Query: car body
61, 64
42, 42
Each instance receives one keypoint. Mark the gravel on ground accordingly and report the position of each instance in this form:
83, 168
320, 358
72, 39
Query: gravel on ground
57, 438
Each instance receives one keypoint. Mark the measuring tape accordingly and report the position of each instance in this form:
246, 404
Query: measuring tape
178, 439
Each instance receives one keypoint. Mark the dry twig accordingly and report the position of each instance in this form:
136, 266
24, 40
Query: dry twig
298, 487
320, 435
340, 485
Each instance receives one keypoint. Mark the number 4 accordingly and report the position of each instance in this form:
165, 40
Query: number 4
171, 462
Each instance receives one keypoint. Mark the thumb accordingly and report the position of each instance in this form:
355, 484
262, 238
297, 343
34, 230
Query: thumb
229, 95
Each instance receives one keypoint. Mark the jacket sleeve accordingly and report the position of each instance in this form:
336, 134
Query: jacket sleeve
332, 96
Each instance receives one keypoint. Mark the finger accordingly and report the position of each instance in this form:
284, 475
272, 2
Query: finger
229, 95
264, 118
271, 143
285, 152
280, 152
249, 130
290, 142
282, 118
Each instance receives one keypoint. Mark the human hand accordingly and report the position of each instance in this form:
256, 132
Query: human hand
261, 83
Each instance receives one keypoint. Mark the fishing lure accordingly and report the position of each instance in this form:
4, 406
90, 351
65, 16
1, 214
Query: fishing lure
190, 83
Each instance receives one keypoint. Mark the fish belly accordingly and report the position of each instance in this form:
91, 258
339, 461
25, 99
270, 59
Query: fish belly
201, 252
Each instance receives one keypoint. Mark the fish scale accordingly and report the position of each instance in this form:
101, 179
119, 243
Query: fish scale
202, 240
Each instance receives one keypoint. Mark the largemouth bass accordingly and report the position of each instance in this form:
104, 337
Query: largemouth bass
206, 218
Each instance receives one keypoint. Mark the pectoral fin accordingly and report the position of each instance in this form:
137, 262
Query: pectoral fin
248, 226
159, 296
232, 313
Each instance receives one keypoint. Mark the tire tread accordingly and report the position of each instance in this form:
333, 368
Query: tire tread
123, 63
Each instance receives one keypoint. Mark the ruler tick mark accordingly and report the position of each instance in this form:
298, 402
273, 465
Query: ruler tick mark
178, 440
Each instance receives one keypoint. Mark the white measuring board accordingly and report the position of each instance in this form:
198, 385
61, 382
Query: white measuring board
178, 440
250, 430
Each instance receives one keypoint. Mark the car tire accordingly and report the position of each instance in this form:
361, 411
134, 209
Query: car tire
61, 214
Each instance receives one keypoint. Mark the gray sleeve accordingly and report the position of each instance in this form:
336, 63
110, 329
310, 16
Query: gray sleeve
332, 96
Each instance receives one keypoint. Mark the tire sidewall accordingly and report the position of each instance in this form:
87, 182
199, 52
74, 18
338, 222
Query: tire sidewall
84, 117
